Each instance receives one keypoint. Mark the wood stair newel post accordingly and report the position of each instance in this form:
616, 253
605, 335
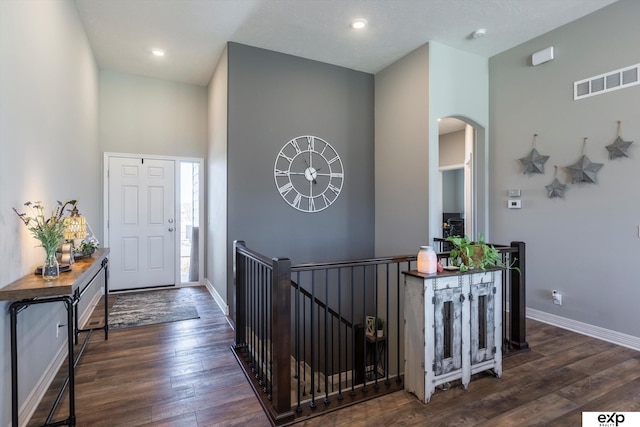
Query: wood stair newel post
517, 305
281, 338
239, 284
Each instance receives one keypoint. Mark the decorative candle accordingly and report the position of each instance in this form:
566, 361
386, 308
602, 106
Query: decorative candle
427, 260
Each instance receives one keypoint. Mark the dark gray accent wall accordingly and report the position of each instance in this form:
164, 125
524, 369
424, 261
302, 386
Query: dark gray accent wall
272, 98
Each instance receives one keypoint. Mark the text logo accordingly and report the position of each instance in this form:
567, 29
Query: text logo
610, 419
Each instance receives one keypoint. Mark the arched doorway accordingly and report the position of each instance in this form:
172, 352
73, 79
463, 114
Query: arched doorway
462, 176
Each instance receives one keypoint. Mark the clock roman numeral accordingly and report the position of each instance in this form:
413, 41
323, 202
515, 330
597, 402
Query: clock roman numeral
297, 200
285, 189
335, 189
327, 202
311, 143
337, 175
295, 145
312, 204
333, 160
282, 173
281, 154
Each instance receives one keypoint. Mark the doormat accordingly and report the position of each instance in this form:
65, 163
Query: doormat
150, 308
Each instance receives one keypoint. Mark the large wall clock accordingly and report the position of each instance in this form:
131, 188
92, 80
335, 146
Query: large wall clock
308, 173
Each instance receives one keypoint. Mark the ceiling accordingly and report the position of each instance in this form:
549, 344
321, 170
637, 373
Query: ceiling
193, 33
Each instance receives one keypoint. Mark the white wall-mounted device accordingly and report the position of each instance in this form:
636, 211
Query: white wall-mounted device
542, 56
557, 297
514, 204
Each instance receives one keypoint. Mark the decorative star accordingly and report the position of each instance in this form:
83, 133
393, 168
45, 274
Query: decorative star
584, 170
534, 162
618, 148
555, 189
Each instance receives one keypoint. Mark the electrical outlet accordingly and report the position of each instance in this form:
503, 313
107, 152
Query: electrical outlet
57, 329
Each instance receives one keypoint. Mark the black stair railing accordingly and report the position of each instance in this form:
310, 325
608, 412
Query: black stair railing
301, 333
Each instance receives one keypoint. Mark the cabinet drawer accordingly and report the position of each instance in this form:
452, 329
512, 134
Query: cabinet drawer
446, 283
482, 277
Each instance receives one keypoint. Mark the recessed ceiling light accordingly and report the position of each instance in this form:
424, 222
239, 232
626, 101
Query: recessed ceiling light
358, 24
157, 52
480, 32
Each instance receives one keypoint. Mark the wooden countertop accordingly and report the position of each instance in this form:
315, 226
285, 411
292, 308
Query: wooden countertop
447, 273
33, 285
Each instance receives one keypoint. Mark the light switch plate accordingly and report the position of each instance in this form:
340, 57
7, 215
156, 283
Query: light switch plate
514, 204
513, 193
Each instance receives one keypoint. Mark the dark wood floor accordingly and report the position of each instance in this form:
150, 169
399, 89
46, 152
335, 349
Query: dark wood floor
183, 374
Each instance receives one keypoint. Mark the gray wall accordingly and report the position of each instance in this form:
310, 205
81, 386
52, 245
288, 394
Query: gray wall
48, 151
451, 147
586, 245
453, 190
272, 98
402, 155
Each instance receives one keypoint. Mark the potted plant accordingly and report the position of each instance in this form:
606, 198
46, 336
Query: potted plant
468, 254
48, 231
87, 247
380, 327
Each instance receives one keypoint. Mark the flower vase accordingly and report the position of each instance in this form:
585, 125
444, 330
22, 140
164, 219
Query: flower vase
50, 268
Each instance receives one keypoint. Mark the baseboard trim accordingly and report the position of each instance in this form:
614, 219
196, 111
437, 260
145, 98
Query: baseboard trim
608, 335
30, 405
216, 296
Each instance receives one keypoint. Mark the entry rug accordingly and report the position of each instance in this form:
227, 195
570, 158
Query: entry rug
151, 307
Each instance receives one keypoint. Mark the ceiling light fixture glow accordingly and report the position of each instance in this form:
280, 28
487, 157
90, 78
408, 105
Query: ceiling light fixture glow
358, 24
157, 52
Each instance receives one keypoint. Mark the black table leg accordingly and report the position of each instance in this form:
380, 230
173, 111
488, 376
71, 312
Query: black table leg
14, 364
105, 266
71, 334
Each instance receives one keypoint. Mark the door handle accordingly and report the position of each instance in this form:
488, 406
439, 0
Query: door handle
171, 229
170, 220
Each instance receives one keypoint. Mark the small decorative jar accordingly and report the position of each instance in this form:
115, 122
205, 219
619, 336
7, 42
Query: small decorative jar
427, 260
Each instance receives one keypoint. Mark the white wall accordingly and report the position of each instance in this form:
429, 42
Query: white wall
459, 87
143, 115
216, 251
431, 82
585, 245
48, 152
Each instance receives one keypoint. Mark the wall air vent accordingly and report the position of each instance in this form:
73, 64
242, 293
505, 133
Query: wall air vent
607, 82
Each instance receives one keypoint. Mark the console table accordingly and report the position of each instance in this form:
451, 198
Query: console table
453, 328
67, 289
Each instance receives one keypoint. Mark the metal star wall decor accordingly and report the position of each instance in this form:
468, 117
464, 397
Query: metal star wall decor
584, 170
555, 189
534, 162
618, 148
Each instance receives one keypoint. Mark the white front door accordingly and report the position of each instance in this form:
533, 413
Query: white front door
141, 222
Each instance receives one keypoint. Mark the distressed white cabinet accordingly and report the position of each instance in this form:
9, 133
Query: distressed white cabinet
453, 328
